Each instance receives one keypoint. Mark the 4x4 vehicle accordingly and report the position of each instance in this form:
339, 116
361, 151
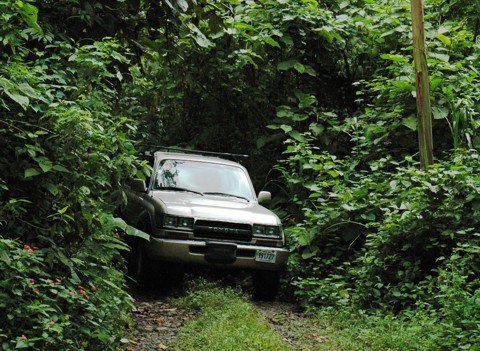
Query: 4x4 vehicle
203, 210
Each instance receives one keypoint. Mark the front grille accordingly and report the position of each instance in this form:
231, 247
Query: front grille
222, 231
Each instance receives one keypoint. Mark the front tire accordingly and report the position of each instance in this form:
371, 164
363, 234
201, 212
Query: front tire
142, 267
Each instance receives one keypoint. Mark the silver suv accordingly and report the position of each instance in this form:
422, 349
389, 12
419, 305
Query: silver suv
203, 210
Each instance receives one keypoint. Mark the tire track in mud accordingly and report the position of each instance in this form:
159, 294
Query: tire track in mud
157, 322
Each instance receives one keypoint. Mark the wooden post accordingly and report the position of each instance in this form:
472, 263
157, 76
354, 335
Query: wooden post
425, 138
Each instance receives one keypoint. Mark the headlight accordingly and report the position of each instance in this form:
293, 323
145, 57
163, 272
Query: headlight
267, 231
174, 222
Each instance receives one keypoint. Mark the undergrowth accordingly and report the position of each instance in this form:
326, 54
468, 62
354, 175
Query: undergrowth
388, 238
344, 329
77, 304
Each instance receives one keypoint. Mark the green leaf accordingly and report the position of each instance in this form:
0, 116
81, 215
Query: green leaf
444, 39
12, 92
441, 57
310, 252
307, 101
63, 210
328, 34
31, 92
44, 163
435, 82
31, 172
299, 67
297, 136
286, 128
138, 233
305, 237
22, 100
119, 57
348, 207
182, 4
52, 188
310, 71
440, 112
286, 65
21, 344
270, 41
113, 222
199, 37
4, 256
298, 117
410, 122
60, 168
316, 128
29, 14
404, 85
394, 58
334, 174
284, 111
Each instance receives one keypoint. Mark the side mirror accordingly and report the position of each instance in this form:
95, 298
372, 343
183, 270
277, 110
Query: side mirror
264, 197
138, 185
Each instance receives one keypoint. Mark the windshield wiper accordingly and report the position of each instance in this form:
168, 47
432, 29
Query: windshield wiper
175, 188
229, 195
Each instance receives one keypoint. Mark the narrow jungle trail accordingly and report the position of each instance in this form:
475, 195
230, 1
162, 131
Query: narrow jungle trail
157, 321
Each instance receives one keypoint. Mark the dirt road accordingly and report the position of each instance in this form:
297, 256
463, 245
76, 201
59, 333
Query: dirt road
157, 322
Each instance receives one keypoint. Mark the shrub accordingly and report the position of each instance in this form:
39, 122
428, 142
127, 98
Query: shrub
391, 238
51, 302
65, 149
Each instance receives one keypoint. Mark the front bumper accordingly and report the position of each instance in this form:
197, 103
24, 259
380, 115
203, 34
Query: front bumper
193, 252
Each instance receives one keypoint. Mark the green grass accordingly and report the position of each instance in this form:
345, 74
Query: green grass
224, 321
346, 331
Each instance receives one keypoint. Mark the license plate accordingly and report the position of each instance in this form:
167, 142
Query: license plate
265, 256
221, 253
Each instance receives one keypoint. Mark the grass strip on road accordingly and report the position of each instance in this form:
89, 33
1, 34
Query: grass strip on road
224, 321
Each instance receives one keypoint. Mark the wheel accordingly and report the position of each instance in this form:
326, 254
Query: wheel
265, 285
141, 268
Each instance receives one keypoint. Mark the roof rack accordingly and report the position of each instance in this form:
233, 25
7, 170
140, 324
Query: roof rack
191, 151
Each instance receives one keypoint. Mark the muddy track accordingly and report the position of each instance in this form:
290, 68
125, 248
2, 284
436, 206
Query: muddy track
157, 323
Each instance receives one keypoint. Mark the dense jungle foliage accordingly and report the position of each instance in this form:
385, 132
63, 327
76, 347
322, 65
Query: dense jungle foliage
320, 94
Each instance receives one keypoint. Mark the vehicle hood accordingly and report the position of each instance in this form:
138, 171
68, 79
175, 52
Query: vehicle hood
213, 207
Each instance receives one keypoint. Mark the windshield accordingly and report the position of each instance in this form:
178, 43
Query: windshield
203, 177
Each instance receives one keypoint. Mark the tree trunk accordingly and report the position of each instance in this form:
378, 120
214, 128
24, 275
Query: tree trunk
425, 138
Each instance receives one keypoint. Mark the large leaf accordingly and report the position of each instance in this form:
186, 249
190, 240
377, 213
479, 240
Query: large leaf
12, 91
297, 135
52, 188
31, 172
270, 41
182, 4
44, 163
410, 122
120, 223
29, 14
199, 37
440, 112
286, 65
